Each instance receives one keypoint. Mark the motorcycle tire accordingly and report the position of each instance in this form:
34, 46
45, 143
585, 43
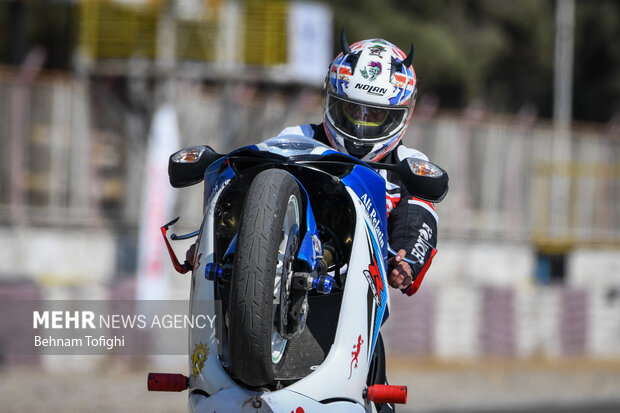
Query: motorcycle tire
267, 242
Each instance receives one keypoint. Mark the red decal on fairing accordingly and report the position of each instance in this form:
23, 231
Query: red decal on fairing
357, 347
298, 410
373, 274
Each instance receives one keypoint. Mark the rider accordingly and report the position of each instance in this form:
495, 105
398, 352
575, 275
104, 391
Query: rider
370, 92
369, 95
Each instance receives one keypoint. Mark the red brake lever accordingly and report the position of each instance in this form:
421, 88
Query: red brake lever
180, 268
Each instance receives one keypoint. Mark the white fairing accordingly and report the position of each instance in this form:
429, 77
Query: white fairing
212, 377
332, 377
337, 378
237, 399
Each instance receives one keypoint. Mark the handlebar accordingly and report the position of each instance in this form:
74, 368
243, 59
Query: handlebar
405, 259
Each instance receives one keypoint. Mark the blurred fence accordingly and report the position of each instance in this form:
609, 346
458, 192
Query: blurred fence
74, 155
73, 165
463, 322
251, 39
115, 30
74, 148
513, 179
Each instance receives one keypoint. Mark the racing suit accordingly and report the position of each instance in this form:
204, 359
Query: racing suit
412, 222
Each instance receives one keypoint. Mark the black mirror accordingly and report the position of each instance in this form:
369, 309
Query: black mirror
423, 179
187, 166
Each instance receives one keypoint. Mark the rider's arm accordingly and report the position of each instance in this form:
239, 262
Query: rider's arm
412, 226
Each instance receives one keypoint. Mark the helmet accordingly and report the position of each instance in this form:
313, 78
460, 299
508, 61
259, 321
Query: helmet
370, 92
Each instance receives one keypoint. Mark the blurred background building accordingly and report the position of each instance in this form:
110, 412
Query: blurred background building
520, 104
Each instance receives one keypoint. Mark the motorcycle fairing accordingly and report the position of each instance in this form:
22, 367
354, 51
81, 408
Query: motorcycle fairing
238, 399
217, 176
341, 374
202, 295
369, 187
357, 317
335, 373
220, 173
376, 276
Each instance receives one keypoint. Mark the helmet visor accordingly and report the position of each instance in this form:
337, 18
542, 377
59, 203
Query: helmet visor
364, 122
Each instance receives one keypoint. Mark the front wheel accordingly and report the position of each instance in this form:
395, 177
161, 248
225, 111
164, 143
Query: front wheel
267, 243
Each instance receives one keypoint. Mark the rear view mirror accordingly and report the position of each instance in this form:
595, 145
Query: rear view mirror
423, 179
187, 166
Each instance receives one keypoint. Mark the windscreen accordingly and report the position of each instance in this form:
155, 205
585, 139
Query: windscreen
293, 145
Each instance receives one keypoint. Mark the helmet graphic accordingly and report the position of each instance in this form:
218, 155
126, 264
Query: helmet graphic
370, 92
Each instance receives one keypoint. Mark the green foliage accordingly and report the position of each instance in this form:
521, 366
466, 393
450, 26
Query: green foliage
497, 53
37, 23
597, 66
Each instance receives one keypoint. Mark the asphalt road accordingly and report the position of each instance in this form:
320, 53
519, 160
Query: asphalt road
580, 408
73, 384
508, 387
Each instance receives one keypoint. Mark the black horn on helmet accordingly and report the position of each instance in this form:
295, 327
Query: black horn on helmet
409, 59
346, 49
397, 66
344, 45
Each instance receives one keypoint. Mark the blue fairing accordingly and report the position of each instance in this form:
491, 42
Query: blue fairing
382, 308
370, 188
216, 175
308, 250
252, 147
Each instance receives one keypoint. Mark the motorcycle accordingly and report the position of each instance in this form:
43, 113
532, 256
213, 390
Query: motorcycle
292, 257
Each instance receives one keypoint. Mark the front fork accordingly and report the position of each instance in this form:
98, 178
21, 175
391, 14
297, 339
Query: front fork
302, 282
